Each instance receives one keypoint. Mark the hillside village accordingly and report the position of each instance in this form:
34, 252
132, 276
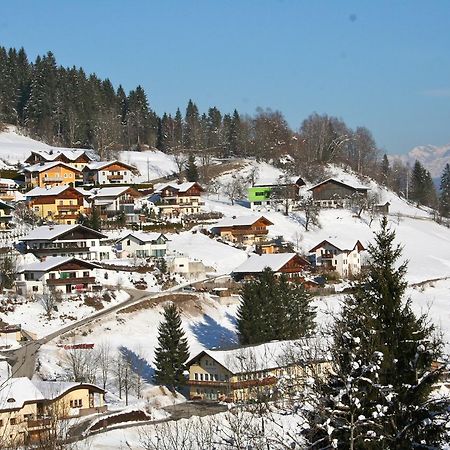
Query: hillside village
91, 254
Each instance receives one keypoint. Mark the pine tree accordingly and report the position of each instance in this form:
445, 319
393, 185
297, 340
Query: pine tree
273, 308
444, 197
178, 130
378, 395
94, 219
172, 351
385, 169
192, 128
422, 189
191, 169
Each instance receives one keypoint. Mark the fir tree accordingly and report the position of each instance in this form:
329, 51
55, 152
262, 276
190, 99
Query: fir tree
191, 132
94, 220
178, 130
273, 308
191, 169
444, 197
378, 395
422, 189
385, 169
172, 351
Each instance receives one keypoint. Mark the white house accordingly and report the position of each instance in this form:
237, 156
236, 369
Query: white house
64, 274
142, 245
66, 240
112, 200
344, 258
109, 172
191, 270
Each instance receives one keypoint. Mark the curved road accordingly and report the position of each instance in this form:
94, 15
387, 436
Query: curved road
23, 359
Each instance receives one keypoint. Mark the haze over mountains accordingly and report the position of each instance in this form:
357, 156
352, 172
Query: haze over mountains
432, 157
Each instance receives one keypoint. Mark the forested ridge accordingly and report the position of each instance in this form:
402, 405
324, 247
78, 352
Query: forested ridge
64, 106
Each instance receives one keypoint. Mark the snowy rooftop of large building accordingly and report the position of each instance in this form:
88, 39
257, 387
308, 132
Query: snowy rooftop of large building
182, 187
257, 263
55, 190
51, 262
16, 391
143, 237
45, 166
271, 355
110, 191
239, 221
49, 232
98, 165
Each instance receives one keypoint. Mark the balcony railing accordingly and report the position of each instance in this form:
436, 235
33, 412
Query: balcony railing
71, 207
249, 232
114, 177
74, 280
67, 247
39, 423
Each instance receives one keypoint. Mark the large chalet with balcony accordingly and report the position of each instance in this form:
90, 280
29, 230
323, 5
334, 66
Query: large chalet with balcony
118, 199
344, 258
60, 273
246, 230
77, 158
60, 204
29, 409
50, 174
176, 200
333, 193
76, 241
109, 172
252, 372
291, 265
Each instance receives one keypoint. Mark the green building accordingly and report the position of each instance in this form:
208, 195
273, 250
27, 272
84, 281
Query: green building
259, 197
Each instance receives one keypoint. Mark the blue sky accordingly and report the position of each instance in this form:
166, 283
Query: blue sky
381, 64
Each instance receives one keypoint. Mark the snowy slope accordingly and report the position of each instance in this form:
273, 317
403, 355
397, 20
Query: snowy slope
152, 164
15, 147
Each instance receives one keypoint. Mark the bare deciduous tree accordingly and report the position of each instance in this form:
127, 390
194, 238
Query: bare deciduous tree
234, 189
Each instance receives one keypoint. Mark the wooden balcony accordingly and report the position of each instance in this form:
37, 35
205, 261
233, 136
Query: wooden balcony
114, 177
73, 247
68, 207
249, 231
39, 423
64, 281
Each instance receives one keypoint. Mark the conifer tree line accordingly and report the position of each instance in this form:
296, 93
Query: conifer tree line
67, 107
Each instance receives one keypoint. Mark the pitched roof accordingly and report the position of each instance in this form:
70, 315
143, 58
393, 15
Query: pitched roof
343, 246
181, 187
70, 153
333, 180
54, 389
98, 165
55, 190
257, 263
109, 191
45, 166
143, 237
240, 221
51, 262
276, 181
254, 358
50, 232
15, 392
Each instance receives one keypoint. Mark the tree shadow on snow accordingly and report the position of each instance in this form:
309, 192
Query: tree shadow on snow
139, 365
213, 335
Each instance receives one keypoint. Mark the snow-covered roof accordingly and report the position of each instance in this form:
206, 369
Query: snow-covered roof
239, 221
143, 237
182, 187
9, 182
16, 391
98, 165
266, 356
49, 232
334, 180
110, 191
339, 243
42, 167
257, 263
70, 153
54, 389
55, 190
51, 262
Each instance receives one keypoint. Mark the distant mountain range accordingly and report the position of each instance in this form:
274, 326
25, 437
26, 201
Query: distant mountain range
431, 157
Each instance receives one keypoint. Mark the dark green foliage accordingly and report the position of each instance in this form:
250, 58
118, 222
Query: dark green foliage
191, 169
444, 197
172, 351
421, 188
192, 128
382, 355
93, 220
274, 309
8, 271
385, 169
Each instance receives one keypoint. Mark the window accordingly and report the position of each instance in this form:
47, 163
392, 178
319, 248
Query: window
196, 376
77, 403
35, 288
1, 422
85, 274
65, 175
52, 275
12, 421
128, 242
